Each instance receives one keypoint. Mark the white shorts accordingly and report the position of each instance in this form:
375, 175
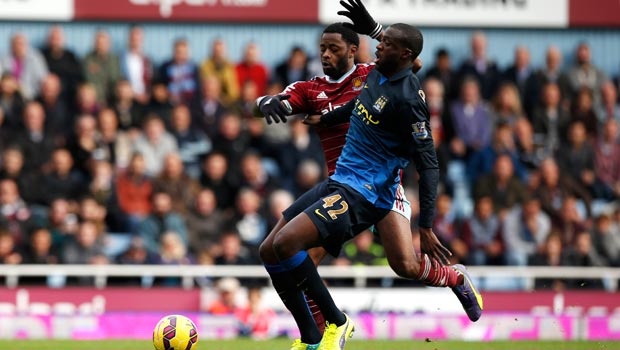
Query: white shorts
401, 205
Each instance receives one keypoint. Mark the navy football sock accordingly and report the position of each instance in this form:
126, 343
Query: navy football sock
295, 301
307, 278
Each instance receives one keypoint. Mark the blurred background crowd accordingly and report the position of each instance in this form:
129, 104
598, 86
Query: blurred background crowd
112, 158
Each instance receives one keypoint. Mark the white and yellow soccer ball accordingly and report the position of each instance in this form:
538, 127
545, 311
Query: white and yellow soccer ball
175, 332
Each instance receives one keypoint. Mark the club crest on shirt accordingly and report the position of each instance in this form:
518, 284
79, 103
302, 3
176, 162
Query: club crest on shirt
380, 103
419, 130
358, 84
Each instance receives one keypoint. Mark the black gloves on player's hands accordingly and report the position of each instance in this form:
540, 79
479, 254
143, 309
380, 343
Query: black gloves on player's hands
275, 108
363, 23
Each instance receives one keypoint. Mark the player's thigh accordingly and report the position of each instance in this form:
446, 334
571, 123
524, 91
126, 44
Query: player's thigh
265, 250
299, 234
395, 233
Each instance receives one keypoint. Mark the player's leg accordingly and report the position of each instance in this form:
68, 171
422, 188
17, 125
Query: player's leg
317, 255
293, 297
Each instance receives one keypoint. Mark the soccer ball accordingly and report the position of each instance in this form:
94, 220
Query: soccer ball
175, 332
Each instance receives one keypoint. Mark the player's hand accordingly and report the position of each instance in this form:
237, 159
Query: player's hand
363, 23
313, 120
275, 108
430, 245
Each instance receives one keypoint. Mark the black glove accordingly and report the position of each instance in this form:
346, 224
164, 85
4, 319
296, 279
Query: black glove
275, 108
363, 23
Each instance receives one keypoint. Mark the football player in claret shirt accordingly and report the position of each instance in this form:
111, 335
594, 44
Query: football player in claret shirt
343, 82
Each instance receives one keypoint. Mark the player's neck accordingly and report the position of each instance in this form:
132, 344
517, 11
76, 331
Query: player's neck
390, 71
338, 76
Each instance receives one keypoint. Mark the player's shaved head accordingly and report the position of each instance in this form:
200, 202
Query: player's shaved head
411, 38
348, 35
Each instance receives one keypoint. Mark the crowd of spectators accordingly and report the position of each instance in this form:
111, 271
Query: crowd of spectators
171, 158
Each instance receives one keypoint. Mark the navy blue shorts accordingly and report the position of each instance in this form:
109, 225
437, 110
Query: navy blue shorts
338, 211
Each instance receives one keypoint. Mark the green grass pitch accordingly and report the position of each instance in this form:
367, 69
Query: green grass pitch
283, 344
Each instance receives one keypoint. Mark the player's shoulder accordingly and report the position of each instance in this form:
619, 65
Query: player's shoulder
364, 68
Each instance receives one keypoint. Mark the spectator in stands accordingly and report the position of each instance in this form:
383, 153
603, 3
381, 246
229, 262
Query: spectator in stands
309, 173
136, 67
159, 103
173, 251
246, 104
11, 103
63, 63
437, 102
583, 254
193, 143
40, 248
102, 67
177, 184
231, 250
278, 201
550, 119
161, 220
181, 74
507, 106
208, 108
481, 163
62, 181
257, 320
252, 69
133, 192
87, 144
523, 76
569, 222
609, 107
530, 154
606, 239
471, 119
12, 167
255, 176
233, 142
90, 210
482, 235
129, 111
606, 155
57, 111
35, 143
154, 144
205, 221
226, 304
115, 143
363, 250
576, 159
9, 253
503, 186
26, 64
219, 66
136, 254
363, 55
60, 221
552, 189
584, 74
249, 220
524, 231
481, 67
583, 111
443, 226
304, 145
86, 100
551, 254
86, 247
443, 72
552, 73
101, 187
295, 68
215, 177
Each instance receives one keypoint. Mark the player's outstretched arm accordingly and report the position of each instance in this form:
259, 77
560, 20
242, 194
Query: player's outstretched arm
335, 117
363, 23
274, 108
